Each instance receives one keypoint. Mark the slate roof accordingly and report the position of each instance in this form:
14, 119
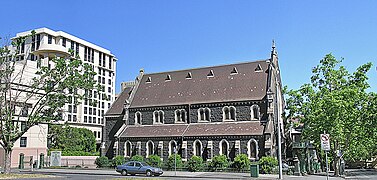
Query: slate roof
194, 129
247, 84
118, 105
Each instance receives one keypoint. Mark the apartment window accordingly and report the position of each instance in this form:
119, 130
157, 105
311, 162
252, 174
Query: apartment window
103, 80
128, 149
158, 116
23, 141
38, 41
95, 134
109, 81
85, 110
72, 46
77, 48
138, 117
69, 117
99, 112
49, 39
23, 47
204, 114
108, 105
94, 120
92, 56
109, 89
100, 59
172, 147
64, 43
85, 53
24, 111
197, 148
70, 108
104, 60
85, 119
33, 43
90, 111
255, 112
74, 118
150, 148
229, 113
110, 60
94, 111
74, 109
90, 119
180, 115
23, 125
99, 134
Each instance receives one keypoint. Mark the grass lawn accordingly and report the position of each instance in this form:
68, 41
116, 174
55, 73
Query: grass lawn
23, 176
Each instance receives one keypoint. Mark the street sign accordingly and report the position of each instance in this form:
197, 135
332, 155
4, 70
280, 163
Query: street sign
325, 142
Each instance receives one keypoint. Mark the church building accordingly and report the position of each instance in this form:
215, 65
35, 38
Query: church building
208, 111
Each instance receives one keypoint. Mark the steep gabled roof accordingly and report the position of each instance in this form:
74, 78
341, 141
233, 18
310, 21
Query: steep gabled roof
118, 105
206, 85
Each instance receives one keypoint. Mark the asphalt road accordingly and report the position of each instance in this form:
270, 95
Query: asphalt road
362, 174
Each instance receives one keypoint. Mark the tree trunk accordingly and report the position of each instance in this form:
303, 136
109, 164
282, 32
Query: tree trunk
336, 160
8, 161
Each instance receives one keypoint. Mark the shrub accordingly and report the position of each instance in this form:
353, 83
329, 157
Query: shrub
195, 163
219, 162
267, 164
102, 161
170, 162
154, 161
118, 160
137, 158
241, 162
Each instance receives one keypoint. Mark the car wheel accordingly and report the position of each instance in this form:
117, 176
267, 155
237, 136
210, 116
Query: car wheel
124, 172
149, 173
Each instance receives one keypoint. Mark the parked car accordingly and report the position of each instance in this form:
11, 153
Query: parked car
136, 167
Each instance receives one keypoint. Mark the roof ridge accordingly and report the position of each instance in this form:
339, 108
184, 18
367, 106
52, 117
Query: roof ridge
203, 67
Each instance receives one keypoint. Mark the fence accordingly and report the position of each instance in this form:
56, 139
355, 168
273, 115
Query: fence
76, 161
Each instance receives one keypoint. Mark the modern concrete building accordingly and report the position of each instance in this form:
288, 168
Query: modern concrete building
36, 52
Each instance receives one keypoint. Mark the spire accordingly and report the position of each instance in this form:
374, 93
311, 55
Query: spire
273, 52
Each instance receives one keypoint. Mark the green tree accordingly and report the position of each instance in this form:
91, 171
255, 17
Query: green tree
137, 158
43, 95
241, 162
195, 163
267, 164
178, 160
336, 102
71, 139
219, 162
154, 161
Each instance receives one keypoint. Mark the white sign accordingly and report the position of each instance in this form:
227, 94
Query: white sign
56, 158
325, 142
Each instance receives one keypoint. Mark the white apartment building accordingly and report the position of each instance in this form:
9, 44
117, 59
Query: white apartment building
46, 44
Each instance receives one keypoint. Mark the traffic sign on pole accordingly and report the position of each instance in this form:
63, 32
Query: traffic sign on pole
325, 142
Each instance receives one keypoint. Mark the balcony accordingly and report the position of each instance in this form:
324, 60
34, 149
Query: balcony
52, 50
298, 145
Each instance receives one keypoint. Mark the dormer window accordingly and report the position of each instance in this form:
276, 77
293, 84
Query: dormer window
168, 77
258, 68
180, 116
189, 75
229, 113
158, 117
138, 117
204, 114
255, 112
149, 80
210, 74
234, 71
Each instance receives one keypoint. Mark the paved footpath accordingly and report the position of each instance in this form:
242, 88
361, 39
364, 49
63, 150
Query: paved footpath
106, 173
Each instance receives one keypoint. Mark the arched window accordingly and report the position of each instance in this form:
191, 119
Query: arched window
229, 113
128, 149
255, 112
138, 117
224, 147
252, 149
172, 145
150, 148
204, 114
197, 148
158, 116
180, 115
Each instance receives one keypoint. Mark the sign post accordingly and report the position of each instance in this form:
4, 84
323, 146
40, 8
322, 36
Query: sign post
325, 145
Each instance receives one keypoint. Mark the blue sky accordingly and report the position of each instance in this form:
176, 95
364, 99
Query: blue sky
163, 35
